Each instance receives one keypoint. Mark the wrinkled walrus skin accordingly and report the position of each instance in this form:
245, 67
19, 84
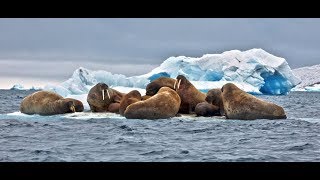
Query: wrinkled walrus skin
165, 104
240, 105
131, 97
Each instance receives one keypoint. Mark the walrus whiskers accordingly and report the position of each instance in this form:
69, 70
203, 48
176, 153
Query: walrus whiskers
108, 94
102, 94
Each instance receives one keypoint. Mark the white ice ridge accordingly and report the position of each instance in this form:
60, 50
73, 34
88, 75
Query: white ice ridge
310, 78
254, 70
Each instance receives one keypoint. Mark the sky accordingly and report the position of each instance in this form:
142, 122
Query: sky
40, 51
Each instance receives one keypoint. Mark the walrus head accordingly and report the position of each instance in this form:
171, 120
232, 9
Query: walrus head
104, 89
153, 87
70, 107
106, 93
214, 96
77, 104
135, 94
229, 87
181, 81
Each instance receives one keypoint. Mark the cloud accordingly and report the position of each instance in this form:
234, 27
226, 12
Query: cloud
54, 48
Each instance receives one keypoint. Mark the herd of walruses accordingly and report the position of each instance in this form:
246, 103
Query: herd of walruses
165, 98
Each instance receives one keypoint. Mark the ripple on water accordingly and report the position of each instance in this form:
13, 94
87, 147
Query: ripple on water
125, 127
41, 151
151, 153
300, 147
53, 159
94, 137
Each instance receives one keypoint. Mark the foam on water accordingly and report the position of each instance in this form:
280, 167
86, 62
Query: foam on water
102, 115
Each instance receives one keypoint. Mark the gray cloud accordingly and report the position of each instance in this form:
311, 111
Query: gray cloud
54, 48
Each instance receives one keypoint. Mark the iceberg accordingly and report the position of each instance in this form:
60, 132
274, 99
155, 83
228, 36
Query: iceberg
21, 87
17, 87
254, 71
84, 79
310, 78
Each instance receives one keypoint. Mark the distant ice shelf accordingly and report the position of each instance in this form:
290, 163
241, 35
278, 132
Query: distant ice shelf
21, 87
310, 78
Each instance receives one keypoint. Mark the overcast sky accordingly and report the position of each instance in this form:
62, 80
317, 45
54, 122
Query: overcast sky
42, 51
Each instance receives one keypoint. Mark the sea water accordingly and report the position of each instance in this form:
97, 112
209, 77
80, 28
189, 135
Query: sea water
110, 137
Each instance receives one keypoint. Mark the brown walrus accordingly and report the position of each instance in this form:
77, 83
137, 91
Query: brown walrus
47, 103
145, 97
114, 108
153, 87
190, 96
214, 97
131, 97
206, 109
101, 96
240, 105
164, 104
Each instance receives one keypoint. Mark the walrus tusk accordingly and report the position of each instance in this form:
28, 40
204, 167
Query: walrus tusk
174, 86
73, 109
103, 94
179, 84
108, 94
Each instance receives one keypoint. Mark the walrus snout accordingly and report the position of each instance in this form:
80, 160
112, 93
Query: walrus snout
71, 106
103, 91
73, 109
103, 87
180, 79
77, 104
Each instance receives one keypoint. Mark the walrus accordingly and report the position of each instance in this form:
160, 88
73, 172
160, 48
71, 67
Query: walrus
214, 97
240, 105
47, 103
190, 96
131, 97
154, 86
206, 109
164, 104
101, 96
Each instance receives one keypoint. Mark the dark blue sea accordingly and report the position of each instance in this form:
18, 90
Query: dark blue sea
109, 137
